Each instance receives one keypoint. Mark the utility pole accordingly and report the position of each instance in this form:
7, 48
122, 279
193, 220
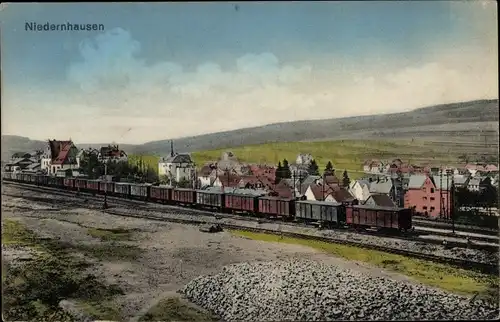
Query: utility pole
105, 205
441, 201
323, 188
451, 192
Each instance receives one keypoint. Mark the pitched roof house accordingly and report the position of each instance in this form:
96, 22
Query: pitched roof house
379, 199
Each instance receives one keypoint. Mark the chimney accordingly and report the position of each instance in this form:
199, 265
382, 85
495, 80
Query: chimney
171, 148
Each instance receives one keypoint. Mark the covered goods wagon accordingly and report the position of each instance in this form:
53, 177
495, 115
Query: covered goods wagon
69, 182
212, 199
184, 196
122, 188
161, 193
320, 211
106, 186
140, 191
379, 217
277, 207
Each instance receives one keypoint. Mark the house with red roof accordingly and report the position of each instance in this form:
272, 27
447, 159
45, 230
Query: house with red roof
63, 156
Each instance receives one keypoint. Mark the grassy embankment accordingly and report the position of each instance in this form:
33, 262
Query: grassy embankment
345, 154
451, 279
33, 290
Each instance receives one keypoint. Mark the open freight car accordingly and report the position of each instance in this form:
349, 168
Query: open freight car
161, 193
210, 199
184, 196
106, 187
139, 191
42, 180
69, 183
329, 214
81, 184
93, 186
122, 189
277, 207
383, 218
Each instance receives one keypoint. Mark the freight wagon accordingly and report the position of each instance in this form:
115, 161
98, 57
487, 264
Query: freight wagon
69, 183
42, 180
139, 191
324, 213
184, 196
93, 186
277, 207
210, 199
122, 189
240, 200
161, 193
106, 187
387, 218
81, 184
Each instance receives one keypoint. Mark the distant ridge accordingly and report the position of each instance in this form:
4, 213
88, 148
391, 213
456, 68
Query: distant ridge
466, 121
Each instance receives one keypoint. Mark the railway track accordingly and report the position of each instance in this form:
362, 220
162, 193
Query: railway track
138, 205
453, 241
459, 227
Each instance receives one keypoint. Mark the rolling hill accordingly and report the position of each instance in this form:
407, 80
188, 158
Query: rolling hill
462, 126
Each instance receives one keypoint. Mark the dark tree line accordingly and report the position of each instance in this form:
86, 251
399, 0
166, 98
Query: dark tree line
283, 171
91, 166
486, 197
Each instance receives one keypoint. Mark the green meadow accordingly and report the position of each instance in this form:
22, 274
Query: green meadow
345, 154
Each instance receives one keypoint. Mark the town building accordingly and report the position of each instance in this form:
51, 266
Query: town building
360, 189
379, 199
111, 153
177, 166
60, 155
428, 196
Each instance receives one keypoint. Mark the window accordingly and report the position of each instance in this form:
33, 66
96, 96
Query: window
432, 190
424, 207
425, 198
432, 198
424, 189
432, 209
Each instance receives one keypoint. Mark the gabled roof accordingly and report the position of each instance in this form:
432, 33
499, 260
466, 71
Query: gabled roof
381, 187
33, 166
341, 195
178, 158
416, 181
282, 190
442, 182
381, 200
59, 151
205, 171
230, 180
474, 182
460, 180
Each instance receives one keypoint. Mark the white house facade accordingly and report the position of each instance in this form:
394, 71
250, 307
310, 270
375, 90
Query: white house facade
360, 189
178, 167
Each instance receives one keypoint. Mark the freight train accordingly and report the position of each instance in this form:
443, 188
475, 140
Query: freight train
242, 201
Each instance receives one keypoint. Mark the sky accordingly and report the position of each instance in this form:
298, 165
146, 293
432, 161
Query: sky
170, 70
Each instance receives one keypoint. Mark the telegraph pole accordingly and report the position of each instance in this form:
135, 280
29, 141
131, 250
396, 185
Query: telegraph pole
452, 202
105, 205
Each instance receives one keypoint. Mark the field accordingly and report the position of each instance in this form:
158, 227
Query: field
345, 154
150, 161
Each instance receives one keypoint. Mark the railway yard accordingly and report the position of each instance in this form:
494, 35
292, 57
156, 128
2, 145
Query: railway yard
155, 254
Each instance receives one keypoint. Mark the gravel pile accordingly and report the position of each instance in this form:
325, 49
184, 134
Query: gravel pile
309, 290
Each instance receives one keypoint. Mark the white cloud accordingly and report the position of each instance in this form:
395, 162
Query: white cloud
116, 91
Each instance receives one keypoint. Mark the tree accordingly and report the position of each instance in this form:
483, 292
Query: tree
313, 168
286, 174
278, 173
345, 179
328, 169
